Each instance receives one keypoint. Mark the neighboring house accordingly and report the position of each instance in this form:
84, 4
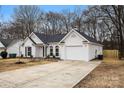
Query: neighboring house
2, 47
71, 46
15, 47
11, 46
4, 43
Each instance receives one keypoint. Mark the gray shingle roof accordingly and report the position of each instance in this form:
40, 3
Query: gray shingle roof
6, 42
41, 36
55, 38
89, 38
49, 38
58, 37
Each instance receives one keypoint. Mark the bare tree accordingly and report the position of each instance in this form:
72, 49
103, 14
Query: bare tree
68, 17
104, 23
27, 17
116, 15
77, 19
54, 22
92, 20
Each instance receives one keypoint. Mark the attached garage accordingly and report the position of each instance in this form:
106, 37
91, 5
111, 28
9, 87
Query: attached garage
75, 53
79, 46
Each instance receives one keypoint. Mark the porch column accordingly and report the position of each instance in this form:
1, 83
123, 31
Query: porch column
44, 50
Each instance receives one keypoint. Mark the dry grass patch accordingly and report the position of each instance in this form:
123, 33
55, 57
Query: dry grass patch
9, 64
109, 74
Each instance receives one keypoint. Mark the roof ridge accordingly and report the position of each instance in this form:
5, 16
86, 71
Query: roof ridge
46, 38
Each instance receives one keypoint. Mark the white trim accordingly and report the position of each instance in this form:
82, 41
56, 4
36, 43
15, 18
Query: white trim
58, 51
74, 46
25, 40
31, 38
36, 36
73, 30
65, 36
76, 33
3, 45
26, 51
96, 44
81, 35
92, 43
27, 37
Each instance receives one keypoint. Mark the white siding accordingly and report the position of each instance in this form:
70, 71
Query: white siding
1, 48
39, 51
73, 41
1, 45
93, 49
28, 43
14, 48
62, 52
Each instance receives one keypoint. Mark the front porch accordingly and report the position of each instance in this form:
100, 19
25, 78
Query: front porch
36, 51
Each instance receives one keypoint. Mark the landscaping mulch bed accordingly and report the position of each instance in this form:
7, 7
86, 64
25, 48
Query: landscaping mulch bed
109, 74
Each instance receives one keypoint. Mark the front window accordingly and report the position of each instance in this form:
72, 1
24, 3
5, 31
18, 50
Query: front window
28, 51
57, 50
51, 50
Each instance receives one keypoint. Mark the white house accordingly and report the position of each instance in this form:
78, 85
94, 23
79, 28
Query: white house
15, 47
4, 43
71, 46
11, 46
2, 47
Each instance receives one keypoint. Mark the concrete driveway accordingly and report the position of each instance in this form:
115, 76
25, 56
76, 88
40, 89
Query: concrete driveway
54, 75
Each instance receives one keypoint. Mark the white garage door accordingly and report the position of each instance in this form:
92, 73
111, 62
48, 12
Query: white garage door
75, 53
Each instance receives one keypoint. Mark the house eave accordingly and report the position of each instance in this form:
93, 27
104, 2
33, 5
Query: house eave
73, 30
95, 43
41, 45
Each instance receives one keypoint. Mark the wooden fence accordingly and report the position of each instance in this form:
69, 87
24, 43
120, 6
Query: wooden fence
110, 53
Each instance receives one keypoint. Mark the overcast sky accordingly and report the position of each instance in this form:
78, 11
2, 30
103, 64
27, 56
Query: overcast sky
7, 10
